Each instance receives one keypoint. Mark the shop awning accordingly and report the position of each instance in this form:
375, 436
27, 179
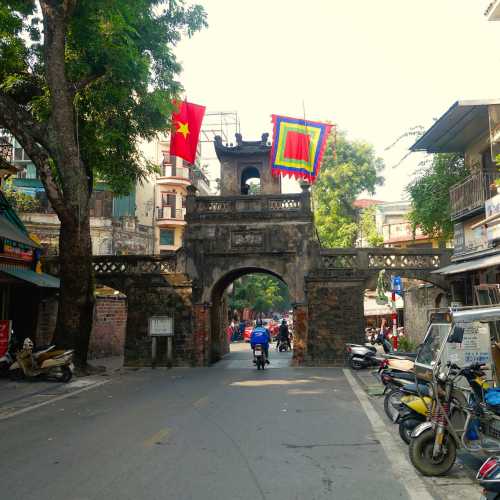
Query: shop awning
11, 232
373, 309
470, 265
39, 279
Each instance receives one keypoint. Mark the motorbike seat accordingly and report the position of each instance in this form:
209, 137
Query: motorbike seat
404, 375
422, 389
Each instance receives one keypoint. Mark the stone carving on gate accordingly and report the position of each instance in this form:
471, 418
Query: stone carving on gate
241, 239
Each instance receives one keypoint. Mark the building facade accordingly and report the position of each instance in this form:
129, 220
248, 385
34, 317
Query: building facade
393, 224
114, 225
166, 193
472, 129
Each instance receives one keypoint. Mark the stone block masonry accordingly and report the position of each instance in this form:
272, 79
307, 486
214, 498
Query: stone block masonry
335, 318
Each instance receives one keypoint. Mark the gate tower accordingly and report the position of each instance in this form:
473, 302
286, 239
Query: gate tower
240, 232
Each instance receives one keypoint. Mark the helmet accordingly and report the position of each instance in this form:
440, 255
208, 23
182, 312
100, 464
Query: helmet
489, 474
28, 344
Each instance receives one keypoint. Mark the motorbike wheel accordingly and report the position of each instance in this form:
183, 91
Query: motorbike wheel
421, 454
67, 374
356, 364
406, 427
391, 402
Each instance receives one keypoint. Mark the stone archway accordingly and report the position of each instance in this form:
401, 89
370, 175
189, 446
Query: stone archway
217, 340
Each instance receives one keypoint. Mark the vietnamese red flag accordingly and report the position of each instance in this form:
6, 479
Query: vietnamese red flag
186, 124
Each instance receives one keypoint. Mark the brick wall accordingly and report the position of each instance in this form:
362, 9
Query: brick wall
47, 317
110, 324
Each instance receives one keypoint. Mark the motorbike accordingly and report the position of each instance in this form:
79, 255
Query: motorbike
361, 356
259, 357
434, 444
48, 363
408, 387
414, 410
489, 478
283, 346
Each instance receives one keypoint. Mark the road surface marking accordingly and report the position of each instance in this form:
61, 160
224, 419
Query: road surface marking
404, 471
53, 400
201, 403
159, 438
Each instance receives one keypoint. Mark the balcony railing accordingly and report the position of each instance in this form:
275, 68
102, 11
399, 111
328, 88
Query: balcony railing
170, 213
470, 194
173, 171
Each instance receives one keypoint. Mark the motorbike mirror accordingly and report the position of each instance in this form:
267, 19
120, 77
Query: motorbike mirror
457, 335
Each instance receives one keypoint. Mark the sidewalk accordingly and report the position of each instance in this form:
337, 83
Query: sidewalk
20, 396
460, 482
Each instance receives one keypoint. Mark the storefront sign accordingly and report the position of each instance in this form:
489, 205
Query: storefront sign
16, 250
475, 347
492, 206
468, 240
4, 336
493, 232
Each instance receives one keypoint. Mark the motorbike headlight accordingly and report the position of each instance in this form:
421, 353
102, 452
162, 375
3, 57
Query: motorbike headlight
442, 376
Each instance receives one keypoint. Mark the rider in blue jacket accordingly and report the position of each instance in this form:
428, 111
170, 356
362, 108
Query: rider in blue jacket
261, 335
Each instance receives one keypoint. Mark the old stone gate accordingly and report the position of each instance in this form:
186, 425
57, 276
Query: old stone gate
240, 232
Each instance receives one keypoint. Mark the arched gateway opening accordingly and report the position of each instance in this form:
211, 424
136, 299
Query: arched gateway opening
228, 303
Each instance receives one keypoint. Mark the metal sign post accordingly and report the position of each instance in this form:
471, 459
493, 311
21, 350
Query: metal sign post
161, 326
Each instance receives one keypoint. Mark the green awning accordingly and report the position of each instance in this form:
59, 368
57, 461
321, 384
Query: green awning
39, 279
11, 232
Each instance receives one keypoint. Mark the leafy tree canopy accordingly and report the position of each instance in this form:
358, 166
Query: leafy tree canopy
119, 58
21, 202
343, 177
429, 193
261, 293
368, 227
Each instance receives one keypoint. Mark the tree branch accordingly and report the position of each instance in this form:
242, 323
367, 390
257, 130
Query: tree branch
12, 113
84, 82
30, 135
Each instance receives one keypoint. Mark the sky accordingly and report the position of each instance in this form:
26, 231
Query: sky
374, 68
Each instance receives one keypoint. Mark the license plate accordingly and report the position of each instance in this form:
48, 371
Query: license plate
258, 353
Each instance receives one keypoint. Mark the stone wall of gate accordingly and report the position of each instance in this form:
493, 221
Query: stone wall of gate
328, 309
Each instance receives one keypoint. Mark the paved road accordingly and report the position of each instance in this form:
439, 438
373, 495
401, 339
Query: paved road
225, 432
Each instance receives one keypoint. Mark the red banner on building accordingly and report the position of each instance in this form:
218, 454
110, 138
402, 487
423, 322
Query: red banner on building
186, 130
4, 336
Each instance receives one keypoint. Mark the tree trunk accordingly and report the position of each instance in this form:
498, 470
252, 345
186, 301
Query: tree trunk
76, 301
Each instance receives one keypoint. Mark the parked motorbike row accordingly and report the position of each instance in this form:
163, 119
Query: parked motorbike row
32, 363
443, 397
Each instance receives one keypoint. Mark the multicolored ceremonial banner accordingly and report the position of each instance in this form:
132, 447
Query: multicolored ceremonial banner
298, 147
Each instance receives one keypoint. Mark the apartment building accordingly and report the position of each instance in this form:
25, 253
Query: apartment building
166, 192
472, 128
115, 227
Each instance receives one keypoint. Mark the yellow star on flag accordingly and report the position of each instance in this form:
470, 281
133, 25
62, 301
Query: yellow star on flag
183, 129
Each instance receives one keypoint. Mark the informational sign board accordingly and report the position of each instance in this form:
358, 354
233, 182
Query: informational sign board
4, 336
475, 347
161, 326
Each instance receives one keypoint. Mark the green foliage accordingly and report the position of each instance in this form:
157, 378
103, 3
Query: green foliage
355, 169
406, 345
120, 55
368, 227
261, 293
429, 193
20, 202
